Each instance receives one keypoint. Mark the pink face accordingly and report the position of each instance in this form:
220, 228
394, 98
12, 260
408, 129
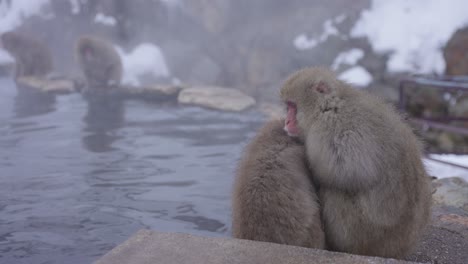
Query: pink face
290, 124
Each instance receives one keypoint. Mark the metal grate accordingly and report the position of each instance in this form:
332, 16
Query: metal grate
457, 84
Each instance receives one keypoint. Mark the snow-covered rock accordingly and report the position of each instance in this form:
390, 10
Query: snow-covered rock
216, 98
302, 42
100, 18
12, 16
451, 191
349, 57
441, 170
357, 76
145, 60
412, 32
153, 92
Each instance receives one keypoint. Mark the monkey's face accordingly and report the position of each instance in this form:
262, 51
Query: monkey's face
86, 53
290, 124
301, 94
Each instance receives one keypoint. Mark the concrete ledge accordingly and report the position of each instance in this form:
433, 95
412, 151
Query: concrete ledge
150, 247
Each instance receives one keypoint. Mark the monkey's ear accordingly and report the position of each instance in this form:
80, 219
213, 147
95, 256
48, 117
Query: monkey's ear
322, 88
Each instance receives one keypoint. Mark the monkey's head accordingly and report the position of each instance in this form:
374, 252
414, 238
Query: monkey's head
85, 47
304, 94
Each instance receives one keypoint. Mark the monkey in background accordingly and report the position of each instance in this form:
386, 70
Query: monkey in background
374, 191
274, 199
99, 61
32, 57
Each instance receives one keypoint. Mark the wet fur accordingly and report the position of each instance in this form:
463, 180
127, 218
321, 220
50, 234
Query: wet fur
374, 190
274, 199
99, 61
32, 57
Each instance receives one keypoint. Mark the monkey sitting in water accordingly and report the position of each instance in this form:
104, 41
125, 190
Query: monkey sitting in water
99, 61
32, 57
274, 199
374, 191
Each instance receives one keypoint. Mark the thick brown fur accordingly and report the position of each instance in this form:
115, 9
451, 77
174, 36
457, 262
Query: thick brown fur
99, 61
32, 57
274, 199
374, 190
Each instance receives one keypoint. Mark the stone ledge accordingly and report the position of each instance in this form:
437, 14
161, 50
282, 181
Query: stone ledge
151, 247
219, 98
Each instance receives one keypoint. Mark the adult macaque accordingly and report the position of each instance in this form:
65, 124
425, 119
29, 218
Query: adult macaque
274, 199
99, 61
32, 57
373, 189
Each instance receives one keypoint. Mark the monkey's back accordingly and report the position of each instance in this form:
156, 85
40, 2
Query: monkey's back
32, 57
105, 64
274, 199
384, 210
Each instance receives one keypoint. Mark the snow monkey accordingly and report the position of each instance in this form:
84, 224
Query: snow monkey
373, 188
274, 199
32, 57
99, 61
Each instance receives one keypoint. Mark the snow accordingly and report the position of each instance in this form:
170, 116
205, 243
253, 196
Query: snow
357, 76
105, 20
328, 30
339, 19
146, 58
302, 42
349, 57
441, 170
11, 17
5, 58
412, 31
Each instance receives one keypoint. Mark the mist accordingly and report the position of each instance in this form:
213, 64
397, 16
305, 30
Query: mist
81, 172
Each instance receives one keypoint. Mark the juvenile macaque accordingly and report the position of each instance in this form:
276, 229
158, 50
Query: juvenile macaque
99, 61
274, 199
374, 191
32, 57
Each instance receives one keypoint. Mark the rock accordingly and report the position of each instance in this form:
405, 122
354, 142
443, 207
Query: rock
265, 66
456, 53
47, 86
153, 247
444, 242
216, 98
204, 71
451, 191
272, 111
211, 14
163, 90
154, 92
446, 239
